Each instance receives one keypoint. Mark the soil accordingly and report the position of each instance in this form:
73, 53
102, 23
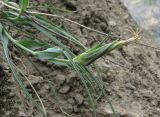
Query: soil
132, 77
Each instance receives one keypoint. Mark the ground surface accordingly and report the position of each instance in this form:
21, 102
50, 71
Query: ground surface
133, 87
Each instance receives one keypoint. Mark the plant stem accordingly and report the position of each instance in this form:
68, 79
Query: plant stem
30, 51
17, 44
57, 16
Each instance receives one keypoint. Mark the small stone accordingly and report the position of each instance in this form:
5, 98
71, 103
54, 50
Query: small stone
112, 23
79, 99
65, 89
44, 89
49, 64
71, 77
147, 93
4, 100
107, 112
125, 17
130, 86
71, 101
86, 104
11, 94
22, 114
103, 26
33, 80
157, 53
5, 66
75, 109
68, 108
60, 79
102, 64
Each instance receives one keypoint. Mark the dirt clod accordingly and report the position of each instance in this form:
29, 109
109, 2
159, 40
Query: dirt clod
33, 80
134, 90
79, 99
64, 89
60, 79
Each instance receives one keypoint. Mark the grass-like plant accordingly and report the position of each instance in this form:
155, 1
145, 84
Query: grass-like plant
18, 17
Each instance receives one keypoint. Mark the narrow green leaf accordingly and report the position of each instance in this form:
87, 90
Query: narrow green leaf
49, 53
24, 4
59, 31
62, 62
1, 28
13, 4
48, 34
78, 68
17, 77
32, 44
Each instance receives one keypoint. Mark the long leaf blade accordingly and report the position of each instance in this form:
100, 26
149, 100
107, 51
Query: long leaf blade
24, 4
32, 44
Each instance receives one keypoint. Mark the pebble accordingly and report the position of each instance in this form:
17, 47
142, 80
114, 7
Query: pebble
120, 112
103, 26
33, 79
147, 93
44, 89
71, 100
22, 114
125, 17
157, 53
130, 86
112, 23
49, 64
107, 112
75, 109
60, 79
11, 94
79, 99
71, 77
68, 108
64, 89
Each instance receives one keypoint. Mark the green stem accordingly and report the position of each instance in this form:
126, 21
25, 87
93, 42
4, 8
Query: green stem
17, 44
30, 51
61, 60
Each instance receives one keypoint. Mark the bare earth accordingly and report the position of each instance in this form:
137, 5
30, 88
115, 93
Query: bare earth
133, 86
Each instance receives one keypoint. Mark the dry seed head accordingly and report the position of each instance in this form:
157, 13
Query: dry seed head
135, 38
136, 33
